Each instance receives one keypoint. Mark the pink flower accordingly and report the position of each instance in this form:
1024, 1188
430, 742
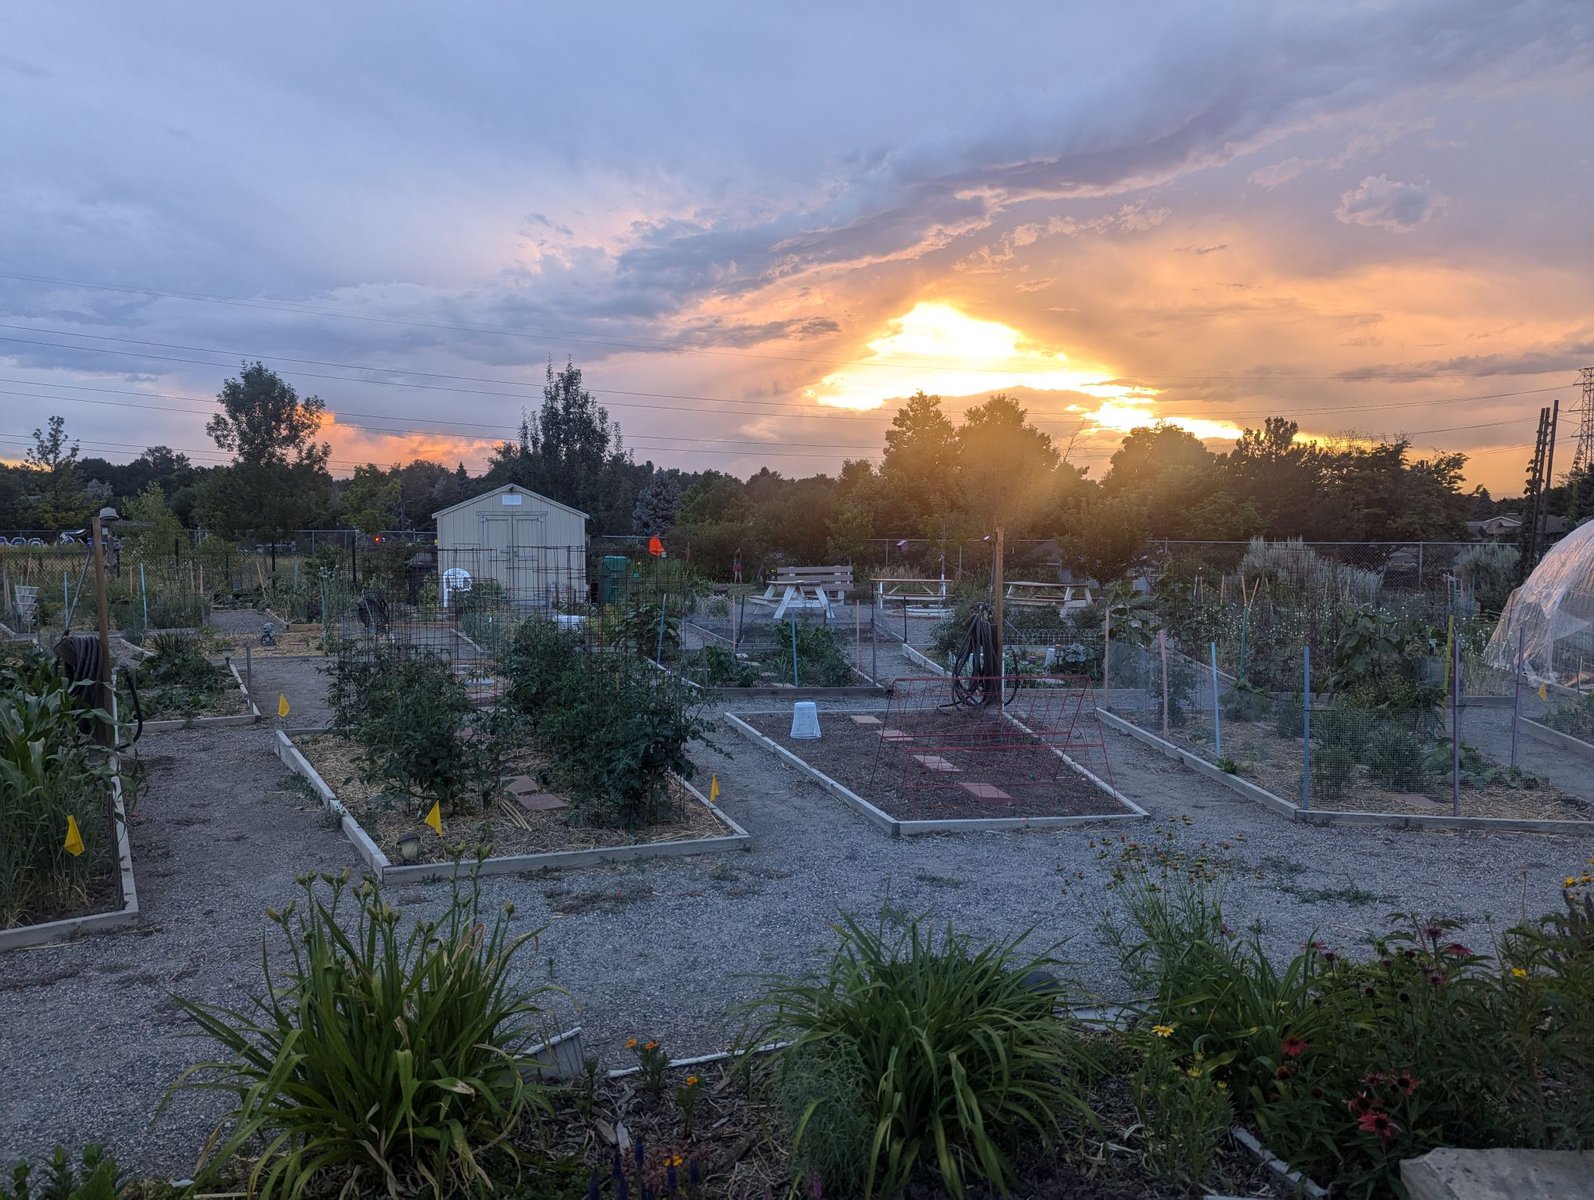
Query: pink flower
1379, 1123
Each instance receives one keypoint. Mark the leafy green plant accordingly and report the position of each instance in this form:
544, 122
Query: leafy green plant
1183, 1110
827, 1108
722, 668
618, 731
95, 1176
1398, 758
1346, 1068
409, 713
822, 658
1576, 718
961, 1056
377, 1058
49, 772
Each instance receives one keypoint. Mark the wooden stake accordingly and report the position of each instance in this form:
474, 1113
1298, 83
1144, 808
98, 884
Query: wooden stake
106, 734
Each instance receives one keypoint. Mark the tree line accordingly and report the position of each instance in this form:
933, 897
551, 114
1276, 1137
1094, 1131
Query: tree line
941, 480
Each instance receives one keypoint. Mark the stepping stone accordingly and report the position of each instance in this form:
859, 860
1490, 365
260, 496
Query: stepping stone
986, 791
540, 802
866, 720
935, 762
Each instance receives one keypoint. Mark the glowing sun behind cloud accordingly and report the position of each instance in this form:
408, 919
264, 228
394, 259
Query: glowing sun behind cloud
939, 349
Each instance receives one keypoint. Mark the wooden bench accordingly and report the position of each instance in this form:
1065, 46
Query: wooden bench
1064, 597
806, 587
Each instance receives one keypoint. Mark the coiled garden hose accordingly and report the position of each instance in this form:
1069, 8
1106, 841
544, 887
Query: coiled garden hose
978, 663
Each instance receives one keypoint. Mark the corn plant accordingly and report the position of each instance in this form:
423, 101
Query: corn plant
48, 773
95, 1176
381, 1059
959, 1056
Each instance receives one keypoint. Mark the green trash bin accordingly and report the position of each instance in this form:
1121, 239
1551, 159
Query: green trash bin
611, 578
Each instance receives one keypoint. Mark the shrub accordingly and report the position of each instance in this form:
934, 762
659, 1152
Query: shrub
1398, 758
618, 729
538, 656
722, 668
409, 712
384, 1058
95, 1176
178, 677
962, 1057
1348, 1068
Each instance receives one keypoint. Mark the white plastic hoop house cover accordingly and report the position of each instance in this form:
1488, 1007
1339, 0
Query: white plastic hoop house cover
1552, 614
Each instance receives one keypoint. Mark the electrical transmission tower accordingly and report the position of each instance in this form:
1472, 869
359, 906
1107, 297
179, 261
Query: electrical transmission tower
1580, 480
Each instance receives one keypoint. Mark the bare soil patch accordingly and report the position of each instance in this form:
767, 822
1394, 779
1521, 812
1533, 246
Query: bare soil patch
507, 828
955, 765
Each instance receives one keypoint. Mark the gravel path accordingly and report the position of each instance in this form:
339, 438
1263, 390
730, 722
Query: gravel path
91, 1040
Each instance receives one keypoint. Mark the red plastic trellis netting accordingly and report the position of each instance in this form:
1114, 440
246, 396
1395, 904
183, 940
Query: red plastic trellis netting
935, 752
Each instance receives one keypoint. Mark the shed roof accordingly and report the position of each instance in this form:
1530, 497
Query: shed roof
512, 487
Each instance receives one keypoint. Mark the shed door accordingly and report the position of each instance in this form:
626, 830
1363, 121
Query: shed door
515, 543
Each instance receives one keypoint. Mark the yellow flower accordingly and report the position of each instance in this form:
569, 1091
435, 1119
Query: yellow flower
1162, 1031
691, 1081
1519, 972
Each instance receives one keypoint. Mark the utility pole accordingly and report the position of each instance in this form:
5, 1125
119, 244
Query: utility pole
997, 588
1533, 499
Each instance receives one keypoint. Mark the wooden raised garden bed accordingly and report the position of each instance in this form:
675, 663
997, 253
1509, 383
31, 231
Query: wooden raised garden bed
527, 830
943, 787
112, 902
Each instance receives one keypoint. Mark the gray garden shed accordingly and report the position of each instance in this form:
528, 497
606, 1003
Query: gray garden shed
535, 547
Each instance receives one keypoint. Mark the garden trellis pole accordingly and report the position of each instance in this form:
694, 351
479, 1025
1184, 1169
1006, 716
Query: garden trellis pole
1306, 727
1455, 727
1162, 651
1106, 656
1217, 715
1516, 695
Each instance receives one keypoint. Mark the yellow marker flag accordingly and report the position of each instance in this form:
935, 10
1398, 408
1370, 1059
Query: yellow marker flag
74, 838
713, 788
283, 707
435, 818
1544, 691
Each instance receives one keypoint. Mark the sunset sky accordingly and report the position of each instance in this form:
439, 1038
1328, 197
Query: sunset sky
757, 227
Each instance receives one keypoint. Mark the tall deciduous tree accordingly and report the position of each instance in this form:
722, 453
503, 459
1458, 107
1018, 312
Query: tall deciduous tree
53, 480
371, 499
278, 478
1007, 469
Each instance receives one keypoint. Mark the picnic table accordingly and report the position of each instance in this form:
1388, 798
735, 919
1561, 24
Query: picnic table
805, 587
1064, 597
925, 595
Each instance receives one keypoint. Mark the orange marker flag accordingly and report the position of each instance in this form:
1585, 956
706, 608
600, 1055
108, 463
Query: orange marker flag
283, 707
74, 837
434, 819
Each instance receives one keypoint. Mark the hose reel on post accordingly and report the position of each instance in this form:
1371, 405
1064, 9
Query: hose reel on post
978, 679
